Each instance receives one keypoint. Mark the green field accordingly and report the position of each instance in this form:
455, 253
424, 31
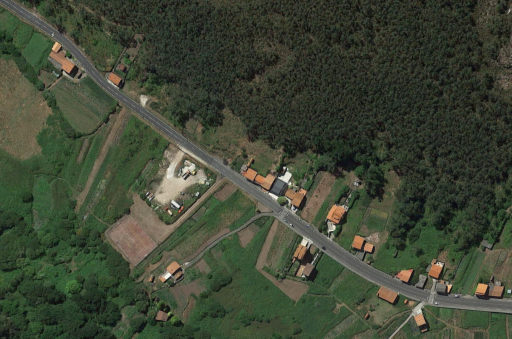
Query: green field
8, 23
350, 225
37, 50
474, 320
498, 328
22, 35
84, 105
138, 146
42, 204
260, 309
472, 271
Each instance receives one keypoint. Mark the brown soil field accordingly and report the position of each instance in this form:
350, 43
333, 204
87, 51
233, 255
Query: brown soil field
203, 267
225, 192
23, 112
293, 289
148, 220
245, 236
318, 196
282, 240
83, 151
183, 292
127, 237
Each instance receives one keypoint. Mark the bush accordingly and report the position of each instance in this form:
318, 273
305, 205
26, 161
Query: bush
156, 259
282, 201
73, 287
343, 192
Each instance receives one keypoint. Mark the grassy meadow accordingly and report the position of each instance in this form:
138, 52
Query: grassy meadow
84, 105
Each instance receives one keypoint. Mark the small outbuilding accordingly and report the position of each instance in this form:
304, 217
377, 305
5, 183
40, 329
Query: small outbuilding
422, 280
161, 316
300, 252
121, 67
56, 47
368, 248
308, 270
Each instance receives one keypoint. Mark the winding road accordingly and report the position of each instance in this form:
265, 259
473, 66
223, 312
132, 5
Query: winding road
298, 225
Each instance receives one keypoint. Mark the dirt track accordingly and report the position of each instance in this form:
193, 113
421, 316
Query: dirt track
101, 157
293, 289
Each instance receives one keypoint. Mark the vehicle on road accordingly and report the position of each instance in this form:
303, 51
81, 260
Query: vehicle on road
436, 303
323, 248
457, 296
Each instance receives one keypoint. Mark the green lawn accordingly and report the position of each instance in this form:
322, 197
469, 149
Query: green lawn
474, 320
375, 223
37, 50
8, 23
84, 105
498, 328
22, 35
327, 271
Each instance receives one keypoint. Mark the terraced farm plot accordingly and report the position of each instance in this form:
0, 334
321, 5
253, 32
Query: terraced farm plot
42, 205
84, 105
37, 50
22, 114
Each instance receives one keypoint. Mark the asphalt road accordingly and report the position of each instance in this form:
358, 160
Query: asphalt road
298, 225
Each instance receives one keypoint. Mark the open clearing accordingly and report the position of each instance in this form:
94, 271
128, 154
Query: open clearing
245, 236
182, 292
148, 220
84, 105
129, 238
225, 192
318, 196
23, 112
171, 185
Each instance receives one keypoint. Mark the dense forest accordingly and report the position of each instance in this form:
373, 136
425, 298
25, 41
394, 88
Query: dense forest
410, 83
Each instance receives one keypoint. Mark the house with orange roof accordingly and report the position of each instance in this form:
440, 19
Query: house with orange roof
482, 290
267, 183
387, 295
300, 252
436, 269
259, 179
65, 64
250, 174
290, 194
336, 214
298, 200
421, 322
496, 291
368, 248
173, 271
358, 243
405, 275
115, 79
